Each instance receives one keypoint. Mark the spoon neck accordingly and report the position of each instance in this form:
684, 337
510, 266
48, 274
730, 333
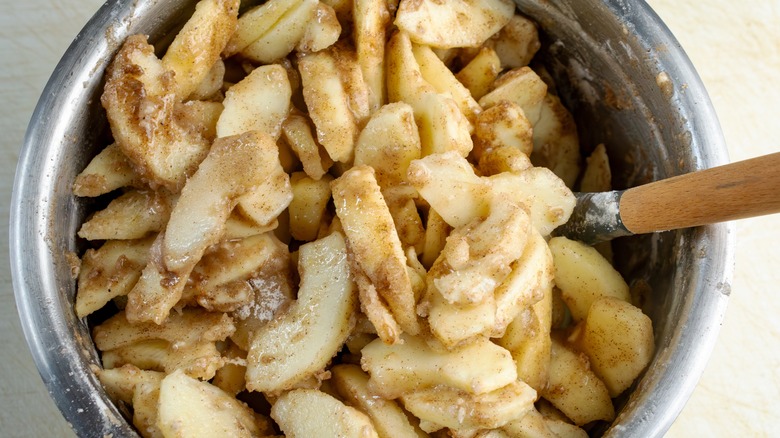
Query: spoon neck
596, 218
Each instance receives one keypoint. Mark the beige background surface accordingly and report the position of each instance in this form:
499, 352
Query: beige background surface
736, 49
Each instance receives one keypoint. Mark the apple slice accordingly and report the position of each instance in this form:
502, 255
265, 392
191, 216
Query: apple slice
302, 340
304, 413
463, 23
191, 408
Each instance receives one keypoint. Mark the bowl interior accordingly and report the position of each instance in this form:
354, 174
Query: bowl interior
618, 69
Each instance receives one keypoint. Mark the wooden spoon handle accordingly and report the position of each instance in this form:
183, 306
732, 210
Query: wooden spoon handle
743, 189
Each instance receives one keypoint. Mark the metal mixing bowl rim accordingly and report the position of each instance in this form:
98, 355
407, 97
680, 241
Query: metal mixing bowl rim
29, 248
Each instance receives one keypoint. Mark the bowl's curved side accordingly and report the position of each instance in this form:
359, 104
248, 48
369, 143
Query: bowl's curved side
66, 129
631, 86
704, 268
38, 254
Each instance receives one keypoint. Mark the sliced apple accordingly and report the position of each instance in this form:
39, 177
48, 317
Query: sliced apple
374, 244
413, 364
304, 413
329, 104
521, 86
371, 19
110, 271
461, 410
388, 143
197, 47
302, 340
322, 31
404, 79
281, 38
575, 389
133, 215
191, 408
464, 23
256, 22
235, 165
436, 73
478, 75
108, 171
388, 418
260, 101
447, 181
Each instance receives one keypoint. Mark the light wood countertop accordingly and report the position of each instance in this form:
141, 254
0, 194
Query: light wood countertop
735, 47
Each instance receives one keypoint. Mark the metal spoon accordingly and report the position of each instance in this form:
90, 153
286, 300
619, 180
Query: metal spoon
734, 191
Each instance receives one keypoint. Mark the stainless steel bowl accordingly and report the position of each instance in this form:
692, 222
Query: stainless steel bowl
618, 67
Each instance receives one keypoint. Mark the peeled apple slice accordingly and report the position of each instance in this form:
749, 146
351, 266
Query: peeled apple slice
463, 23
